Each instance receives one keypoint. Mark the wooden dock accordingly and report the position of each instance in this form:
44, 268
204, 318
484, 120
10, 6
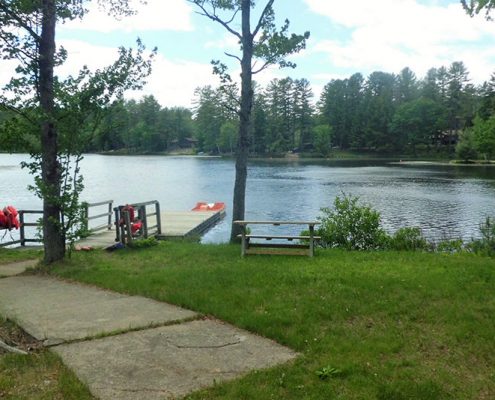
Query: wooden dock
174, 225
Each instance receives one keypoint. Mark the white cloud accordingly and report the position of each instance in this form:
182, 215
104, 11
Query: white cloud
226, 43
171, 82
392, 34
7, 68
155, 15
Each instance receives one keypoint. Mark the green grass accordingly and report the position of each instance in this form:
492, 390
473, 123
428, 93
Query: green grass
37, 376
12, 255
395, 325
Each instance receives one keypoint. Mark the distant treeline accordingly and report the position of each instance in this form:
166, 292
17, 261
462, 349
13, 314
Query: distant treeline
385, 113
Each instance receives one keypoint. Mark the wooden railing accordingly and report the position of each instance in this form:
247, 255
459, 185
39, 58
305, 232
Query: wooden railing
87, 206
107, 215
124, 230
22, 229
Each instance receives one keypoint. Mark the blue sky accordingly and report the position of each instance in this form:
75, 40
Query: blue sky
346, 37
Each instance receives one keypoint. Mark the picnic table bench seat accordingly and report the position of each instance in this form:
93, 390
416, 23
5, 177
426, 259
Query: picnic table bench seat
307, 244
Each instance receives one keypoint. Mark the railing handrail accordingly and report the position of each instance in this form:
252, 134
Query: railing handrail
100, 203
123, 231
108, 215
23, 240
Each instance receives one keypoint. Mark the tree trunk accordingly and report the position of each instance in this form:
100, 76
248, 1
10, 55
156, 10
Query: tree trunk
239, 206
53, 237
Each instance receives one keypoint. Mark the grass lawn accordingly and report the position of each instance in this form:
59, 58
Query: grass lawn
393, 325
9, 255
41, 375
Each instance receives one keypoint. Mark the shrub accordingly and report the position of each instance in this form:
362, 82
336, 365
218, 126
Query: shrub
466, 148
144, 243
485, 245
408, 238
450, 246
351, 226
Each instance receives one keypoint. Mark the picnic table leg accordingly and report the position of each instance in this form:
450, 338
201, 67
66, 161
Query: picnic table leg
311, 240
243, 241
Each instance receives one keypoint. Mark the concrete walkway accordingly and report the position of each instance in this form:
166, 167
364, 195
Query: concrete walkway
169, 353
16, 268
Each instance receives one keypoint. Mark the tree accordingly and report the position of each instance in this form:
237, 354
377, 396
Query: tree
27, 33
466, 148
265, 43
417, 122
484, 136
473, 7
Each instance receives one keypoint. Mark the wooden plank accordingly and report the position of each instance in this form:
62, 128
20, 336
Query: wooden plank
175, 224
277, 223
272, 251
287, 237
279, 245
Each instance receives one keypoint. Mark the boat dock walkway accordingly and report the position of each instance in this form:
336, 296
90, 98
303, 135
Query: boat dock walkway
174, 225
100, 221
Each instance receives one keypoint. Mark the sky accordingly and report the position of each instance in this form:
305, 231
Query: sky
346, 37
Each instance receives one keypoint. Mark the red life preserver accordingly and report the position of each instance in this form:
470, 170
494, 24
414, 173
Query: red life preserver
130, 210
136, 226
3, 220
8, 218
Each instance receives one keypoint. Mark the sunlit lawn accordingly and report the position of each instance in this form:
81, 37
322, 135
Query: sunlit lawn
393, 325
39, 375
13, 255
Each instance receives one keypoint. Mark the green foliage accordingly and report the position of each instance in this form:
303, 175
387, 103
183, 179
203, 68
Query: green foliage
328, 372
388, 320
144, 243
351, 226
450, 246
473, 7
416, 122
483, 136
466, 148
323, 139
409, 239
485, 245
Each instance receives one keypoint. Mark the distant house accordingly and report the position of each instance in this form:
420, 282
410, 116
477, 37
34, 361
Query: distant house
184, 143
446, 138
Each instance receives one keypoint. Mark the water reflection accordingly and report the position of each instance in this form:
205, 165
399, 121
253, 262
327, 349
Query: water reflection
445, 201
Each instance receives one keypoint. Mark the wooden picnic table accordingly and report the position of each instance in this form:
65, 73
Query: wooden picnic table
246, 243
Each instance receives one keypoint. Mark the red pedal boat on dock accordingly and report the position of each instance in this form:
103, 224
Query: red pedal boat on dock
204, 206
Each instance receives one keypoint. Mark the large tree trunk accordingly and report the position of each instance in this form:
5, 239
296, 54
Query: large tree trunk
239, 206
53, 237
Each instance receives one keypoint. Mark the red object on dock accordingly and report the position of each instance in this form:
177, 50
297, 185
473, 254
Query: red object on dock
203, 206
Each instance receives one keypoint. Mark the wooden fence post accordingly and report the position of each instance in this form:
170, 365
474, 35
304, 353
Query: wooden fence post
22, 233
158, 218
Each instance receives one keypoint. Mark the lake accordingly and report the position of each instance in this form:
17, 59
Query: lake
443, 200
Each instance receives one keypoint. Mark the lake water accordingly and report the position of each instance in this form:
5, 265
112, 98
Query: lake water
444, 201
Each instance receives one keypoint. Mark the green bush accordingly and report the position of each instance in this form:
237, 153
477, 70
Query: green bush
450, 246
144, 243
485, 245
351, 226
408, 238
466, 148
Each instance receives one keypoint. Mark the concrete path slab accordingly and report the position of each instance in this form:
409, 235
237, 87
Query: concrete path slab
56, 311
16, 268
170, 361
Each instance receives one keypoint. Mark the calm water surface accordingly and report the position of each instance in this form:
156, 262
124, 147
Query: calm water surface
444, 201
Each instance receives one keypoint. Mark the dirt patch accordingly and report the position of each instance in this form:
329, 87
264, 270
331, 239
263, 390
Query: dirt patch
14, 336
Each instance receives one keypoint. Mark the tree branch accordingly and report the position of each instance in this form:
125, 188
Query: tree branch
263, 67
19, 20
5, 346
233, 56
262, 16
214, 17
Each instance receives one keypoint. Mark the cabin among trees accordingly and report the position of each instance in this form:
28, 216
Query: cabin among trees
384, 113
